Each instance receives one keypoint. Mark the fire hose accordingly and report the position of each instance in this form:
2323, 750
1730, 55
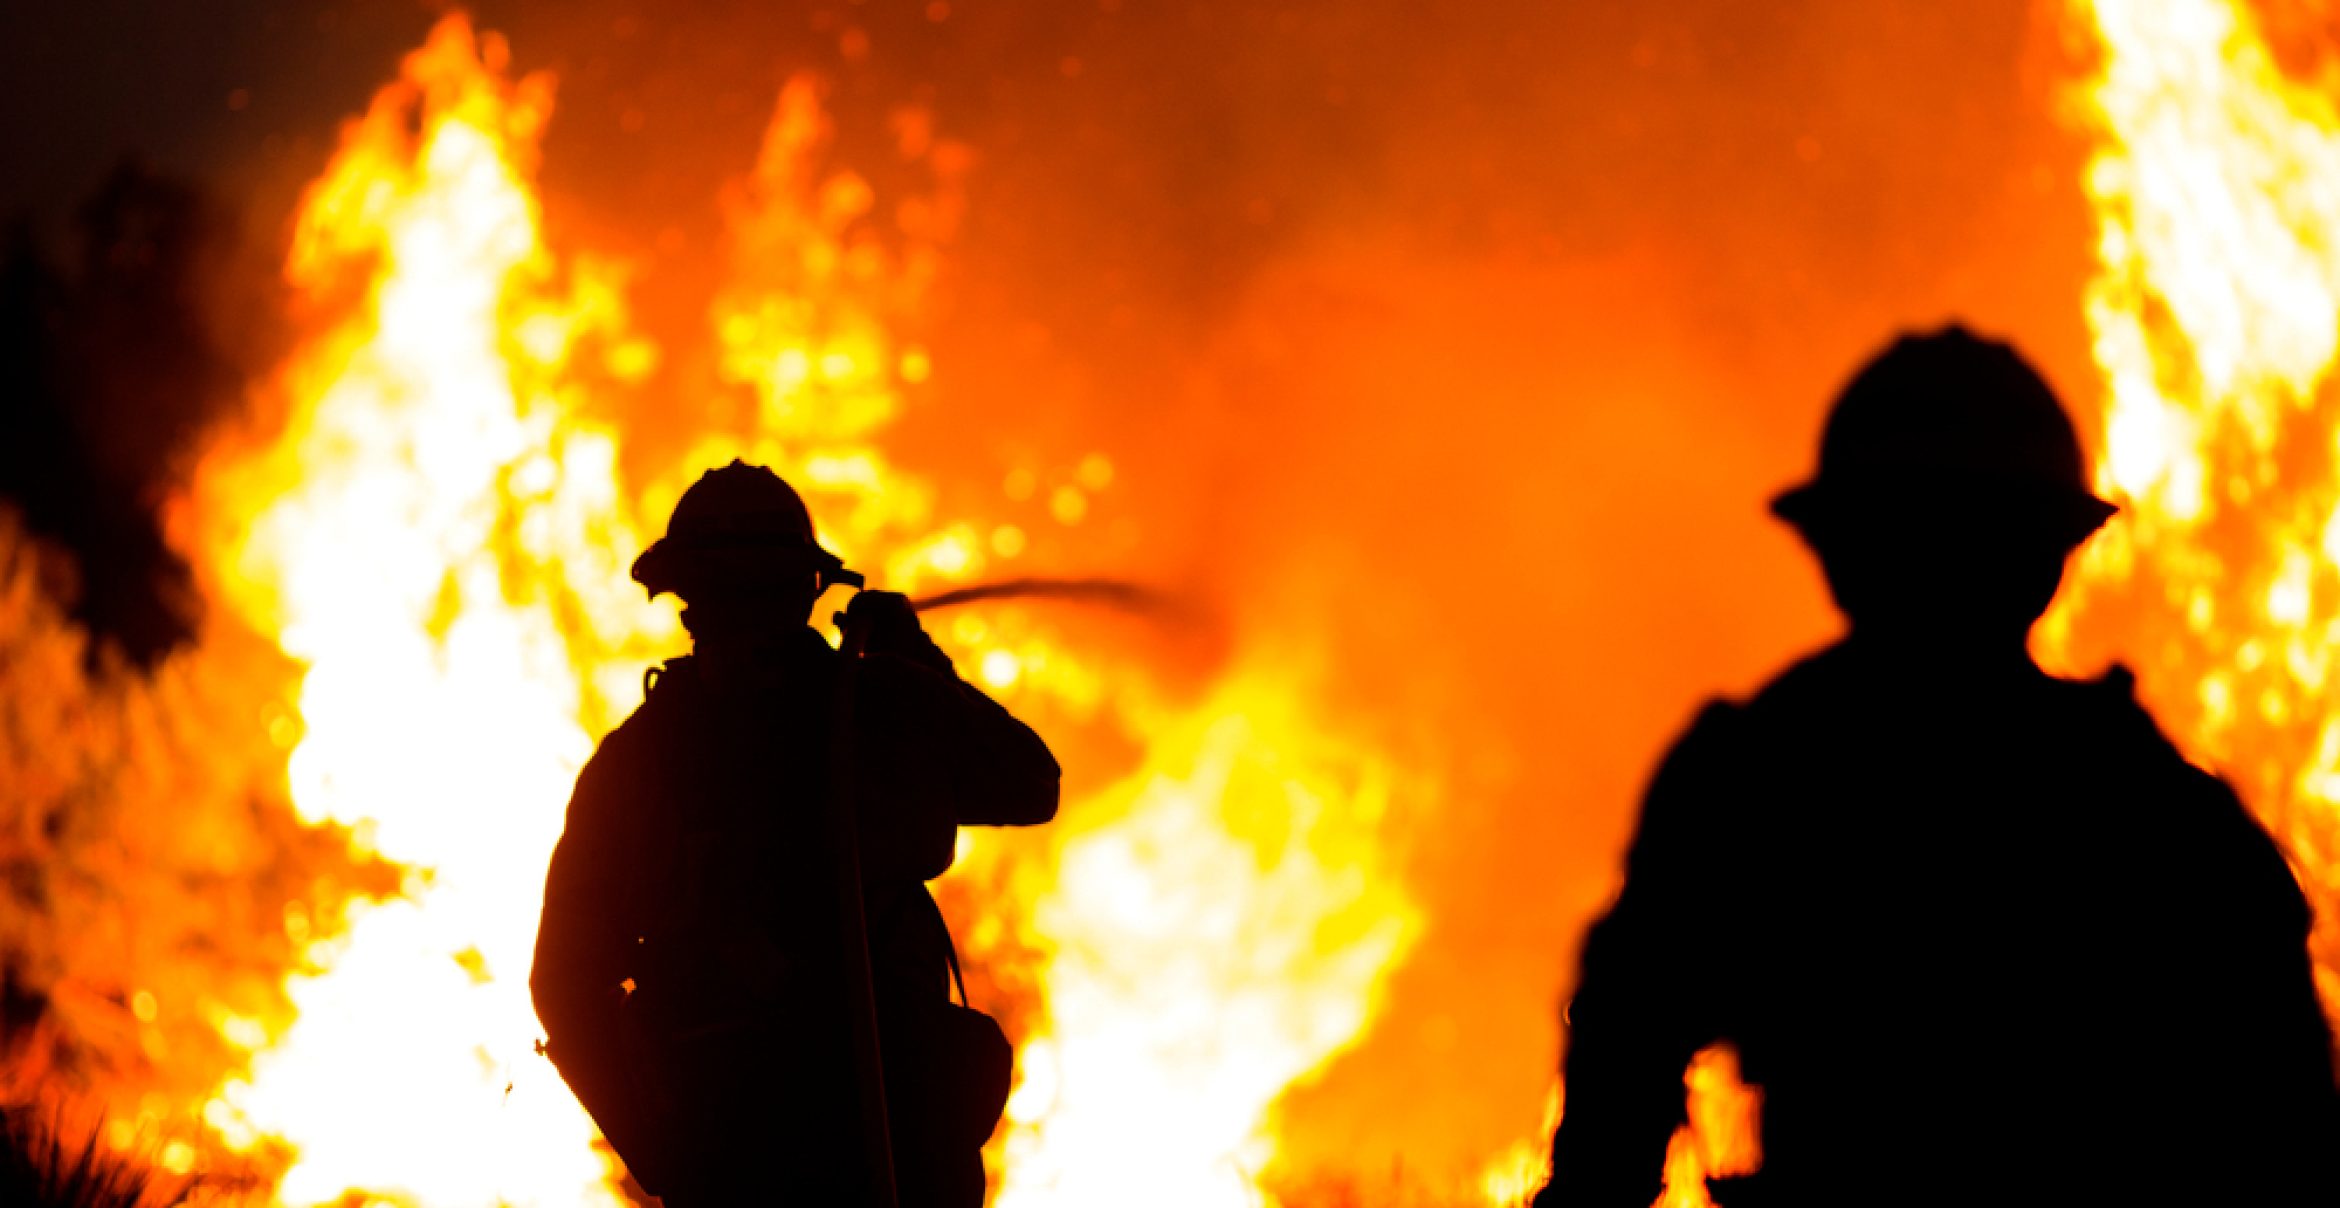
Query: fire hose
843, 836
1114, 593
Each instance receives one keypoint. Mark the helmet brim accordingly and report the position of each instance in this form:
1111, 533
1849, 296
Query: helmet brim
2068, 516
686, 566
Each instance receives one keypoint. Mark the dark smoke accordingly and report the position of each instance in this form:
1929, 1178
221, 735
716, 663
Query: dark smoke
112, 359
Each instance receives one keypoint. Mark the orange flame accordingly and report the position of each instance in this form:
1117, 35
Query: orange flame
2216, 316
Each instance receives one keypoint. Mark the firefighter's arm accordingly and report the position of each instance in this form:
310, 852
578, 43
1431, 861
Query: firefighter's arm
1008, 776
585, 939
1634, 1022
994, 769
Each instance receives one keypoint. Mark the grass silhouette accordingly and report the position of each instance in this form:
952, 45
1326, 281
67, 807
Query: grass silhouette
42, 1166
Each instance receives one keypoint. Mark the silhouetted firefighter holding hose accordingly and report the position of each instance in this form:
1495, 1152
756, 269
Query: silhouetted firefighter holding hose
739, 970
1981, 935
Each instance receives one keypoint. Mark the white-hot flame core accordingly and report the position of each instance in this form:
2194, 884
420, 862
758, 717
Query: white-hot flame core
2216, 315
1221, 936
443, 703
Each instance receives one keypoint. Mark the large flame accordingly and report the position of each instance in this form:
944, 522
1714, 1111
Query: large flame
1218, 927
435, 536
2216, 317
438, 532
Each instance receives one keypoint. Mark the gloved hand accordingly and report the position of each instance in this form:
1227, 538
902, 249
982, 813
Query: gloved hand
891, 626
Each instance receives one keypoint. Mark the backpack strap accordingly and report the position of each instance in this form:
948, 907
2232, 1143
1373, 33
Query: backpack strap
942, 927
652, 674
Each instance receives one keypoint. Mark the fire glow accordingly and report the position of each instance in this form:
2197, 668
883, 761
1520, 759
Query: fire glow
2215, 308
439, 534
435, 522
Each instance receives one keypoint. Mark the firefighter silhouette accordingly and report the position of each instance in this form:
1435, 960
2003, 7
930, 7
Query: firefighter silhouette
1979, 935
696, 962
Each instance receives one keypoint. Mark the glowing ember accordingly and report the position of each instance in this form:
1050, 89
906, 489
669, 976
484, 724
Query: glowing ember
2216, 314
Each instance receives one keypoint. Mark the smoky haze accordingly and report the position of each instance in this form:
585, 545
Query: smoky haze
1462, 343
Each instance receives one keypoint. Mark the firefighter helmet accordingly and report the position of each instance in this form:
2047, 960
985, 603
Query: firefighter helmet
738, 526
1958, 425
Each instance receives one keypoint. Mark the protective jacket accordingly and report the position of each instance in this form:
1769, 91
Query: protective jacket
1981, 936
688, 958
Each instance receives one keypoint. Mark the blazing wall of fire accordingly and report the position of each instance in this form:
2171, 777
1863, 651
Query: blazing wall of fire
1229, 950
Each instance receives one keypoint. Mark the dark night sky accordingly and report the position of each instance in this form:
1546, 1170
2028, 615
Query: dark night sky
83, 85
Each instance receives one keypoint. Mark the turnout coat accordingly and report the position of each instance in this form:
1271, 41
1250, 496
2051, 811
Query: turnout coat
1980, 935
688, 961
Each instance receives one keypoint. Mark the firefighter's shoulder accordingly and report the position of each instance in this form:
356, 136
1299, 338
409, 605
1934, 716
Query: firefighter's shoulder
2200, 817
1697, 760
1731, 739
2126, 733
1724, 726
631, 748
666, 689
1712, 731
667, 682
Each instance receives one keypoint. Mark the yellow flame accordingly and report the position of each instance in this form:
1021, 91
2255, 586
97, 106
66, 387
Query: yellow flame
435, 537
1219, 927
1511, 1178
1723, 1137
2216, 316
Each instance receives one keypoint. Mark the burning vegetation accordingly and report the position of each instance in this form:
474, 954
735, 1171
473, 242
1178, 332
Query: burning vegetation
428, 512
2215, 314
274, 889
